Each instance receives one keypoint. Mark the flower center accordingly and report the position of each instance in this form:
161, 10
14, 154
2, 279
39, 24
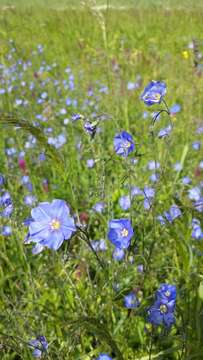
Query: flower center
126, 144
157, 96
55, 224
163, 309
124, 232
167, 293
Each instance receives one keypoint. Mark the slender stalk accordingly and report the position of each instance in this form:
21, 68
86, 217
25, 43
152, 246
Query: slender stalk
87, 240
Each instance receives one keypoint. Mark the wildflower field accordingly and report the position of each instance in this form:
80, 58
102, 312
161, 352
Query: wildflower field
101, 180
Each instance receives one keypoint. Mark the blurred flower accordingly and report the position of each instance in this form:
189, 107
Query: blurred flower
29, 200
42, 157
2, 180
140, 268
197, 232
6, 205
194, 193
123, 144
99, 245
52, 224
90, 163
196, 145
154, 177
39, 346
152, 165
186, 180
124, 202
164, 132
131, 85
178, 166
173, 213
118, 254
153, 93
120, 233
175, 109
135, 191
185, 54
104, 357
198, 205
130, 301
77, 117
99, 207
6, 230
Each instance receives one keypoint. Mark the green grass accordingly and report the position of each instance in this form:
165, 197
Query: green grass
186, 4
81, 315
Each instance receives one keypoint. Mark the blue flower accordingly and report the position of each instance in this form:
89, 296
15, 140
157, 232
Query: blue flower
135, 191
124, 202
175, 109
198, 205
39, 346
194, 193
76, 117
6, 230
166, 292
90, 163
197, 232
99, 207
162, 313
164, 132
152, 165
130, 301
196, 145
186, 180
178, 166
52, 224
29, 200
154, 92
104, 357
99, 245
118, 254
123, 144
2, 180
6, 205
173, 213
120, 233
90, 127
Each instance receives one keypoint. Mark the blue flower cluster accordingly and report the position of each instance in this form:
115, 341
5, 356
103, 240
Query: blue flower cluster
162, 311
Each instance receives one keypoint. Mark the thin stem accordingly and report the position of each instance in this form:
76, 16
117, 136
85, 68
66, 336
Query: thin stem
157, 115
87, 240
150, 346
167, 108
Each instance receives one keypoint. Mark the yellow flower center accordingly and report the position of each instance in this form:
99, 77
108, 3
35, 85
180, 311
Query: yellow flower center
167, 293
157, 96
163, 309
124, 232
126, 144
55, 224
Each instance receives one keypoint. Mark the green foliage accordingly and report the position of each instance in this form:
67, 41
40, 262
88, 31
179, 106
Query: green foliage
67, 296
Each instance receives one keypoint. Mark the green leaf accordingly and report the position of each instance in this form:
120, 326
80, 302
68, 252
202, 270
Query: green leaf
200, 290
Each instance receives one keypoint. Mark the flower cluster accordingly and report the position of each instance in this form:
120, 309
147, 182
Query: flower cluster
162, 311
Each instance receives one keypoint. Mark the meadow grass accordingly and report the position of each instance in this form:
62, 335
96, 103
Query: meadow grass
66, 295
